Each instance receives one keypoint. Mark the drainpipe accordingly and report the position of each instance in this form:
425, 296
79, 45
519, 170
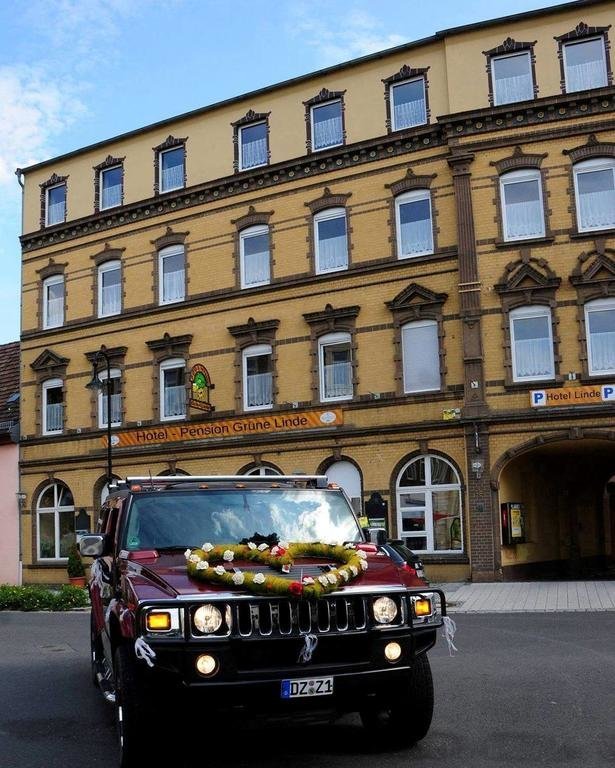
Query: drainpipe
20, 495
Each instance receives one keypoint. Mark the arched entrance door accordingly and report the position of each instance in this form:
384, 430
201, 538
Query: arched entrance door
566, 497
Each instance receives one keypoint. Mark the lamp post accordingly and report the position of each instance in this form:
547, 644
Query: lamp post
96, 384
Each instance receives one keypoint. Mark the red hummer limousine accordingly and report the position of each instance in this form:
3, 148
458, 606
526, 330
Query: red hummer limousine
256, 594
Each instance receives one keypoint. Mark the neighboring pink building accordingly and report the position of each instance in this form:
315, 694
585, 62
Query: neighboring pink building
9, 464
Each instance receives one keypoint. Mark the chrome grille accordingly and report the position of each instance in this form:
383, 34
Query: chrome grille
283, 617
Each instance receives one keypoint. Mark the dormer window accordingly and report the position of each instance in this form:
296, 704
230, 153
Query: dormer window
585, 65
409, 104
327, 129
512, 78
111, 180
253, 149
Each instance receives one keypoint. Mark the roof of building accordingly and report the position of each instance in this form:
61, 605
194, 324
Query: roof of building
9, 385
442, 34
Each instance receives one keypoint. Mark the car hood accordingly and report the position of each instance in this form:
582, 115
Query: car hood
166, 576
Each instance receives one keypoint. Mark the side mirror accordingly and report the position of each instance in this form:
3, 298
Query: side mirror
376, 535
92, 545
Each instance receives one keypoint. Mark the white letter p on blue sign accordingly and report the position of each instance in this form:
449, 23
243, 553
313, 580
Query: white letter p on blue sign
539, 397
608, 392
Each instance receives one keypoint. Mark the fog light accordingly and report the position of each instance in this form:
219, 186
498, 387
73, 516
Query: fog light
422, 607
392, 651
159, 621
207, 665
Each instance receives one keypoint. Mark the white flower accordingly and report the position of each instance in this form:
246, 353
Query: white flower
275, 550
361, 554
345, 575
194, 559
238, 578
201, 565
187, 554
286, 568
349, 545
228, 555
332, 578
207, 547
364, 565
259, 578
251, 545
323, 580
219, 570
283, 544
308, 580
263, 547
354, 570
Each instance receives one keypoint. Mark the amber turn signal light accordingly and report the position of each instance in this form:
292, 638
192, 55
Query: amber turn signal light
158, 622
422, 607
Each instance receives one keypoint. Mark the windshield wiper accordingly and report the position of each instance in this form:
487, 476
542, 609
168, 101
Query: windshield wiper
175, 548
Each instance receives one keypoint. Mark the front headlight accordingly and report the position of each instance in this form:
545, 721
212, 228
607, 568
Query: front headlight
207, 619
385, 610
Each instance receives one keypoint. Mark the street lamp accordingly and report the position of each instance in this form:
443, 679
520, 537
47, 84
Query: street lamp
96, 384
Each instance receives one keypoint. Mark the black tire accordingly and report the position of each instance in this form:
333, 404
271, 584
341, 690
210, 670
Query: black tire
97, 653
404, 716
134, 729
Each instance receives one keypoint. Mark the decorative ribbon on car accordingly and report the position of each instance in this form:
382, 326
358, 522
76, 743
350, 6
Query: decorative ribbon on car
309, 646
143, 651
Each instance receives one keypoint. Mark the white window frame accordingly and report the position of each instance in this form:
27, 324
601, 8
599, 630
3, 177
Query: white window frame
517, 177
264, 470
413, 196
428, 489
47, 191
585, 166
101, 185
163, 152
597, 305
326, 215
570, 44
102, 397
163, 253
494, 59
47, 282
245, 234
332, 339
240, 146
47, 385
55, 511
165, 365
108, 266
420, 324
256, 350
392, 88
318, 106
533, 310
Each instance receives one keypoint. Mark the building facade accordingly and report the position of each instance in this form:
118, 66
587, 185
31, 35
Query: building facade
10, 501
399, 271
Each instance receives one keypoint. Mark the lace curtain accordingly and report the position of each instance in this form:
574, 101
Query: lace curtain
416, 237
256, 267
327, 133
338, 379
111, 299
511, 89
173, 288
53, 421
524, 219
533, 357
410, 113
175, 401
259, 388
253, 153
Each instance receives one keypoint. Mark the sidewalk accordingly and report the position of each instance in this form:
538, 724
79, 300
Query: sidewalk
525, 596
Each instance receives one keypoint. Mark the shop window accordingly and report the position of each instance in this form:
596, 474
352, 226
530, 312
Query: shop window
172, 389
335, 367
414, 224
421, 356
53, 301
52, 407
531, 343
331, 240
255, 256
522, 205
109, 288
172, 274
594, 182
429, 517
55, 517
600, 330
257, 377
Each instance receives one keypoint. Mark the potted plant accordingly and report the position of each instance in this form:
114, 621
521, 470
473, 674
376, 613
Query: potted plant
75, 567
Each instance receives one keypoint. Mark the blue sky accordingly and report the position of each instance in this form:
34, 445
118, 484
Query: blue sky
73, 72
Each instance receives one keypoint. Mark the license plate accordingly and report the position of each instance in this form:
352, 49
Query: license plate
309, 686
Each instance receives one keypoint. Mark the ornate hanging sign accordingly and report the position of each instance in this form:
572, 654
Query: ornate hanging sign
200, 387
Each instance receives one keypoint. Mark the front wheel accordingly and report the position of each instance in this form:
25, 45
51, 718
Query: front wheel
404, 715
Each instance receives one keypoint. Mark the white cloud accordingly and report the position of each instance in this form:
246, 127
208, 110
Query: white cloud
353, 35
34, 108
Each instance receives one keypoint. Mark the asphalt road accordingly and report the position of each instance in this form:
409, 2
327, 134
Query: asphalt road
524, 690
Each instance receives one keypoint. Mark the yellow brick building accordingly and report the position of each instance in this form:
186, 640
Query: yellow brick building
399, 271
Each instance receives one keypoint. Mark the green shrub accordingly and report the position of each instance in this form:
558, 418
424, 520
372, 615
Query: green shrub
75, 567
37, 598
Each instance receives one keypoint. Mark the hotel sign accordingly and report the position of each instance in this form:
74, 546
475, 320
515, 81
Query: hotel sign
594, 394
239, 427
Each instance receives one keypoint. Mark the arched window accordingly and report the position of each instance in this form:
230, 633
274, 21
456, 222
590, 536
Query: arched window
348, 477
428, 493
522, 206
414, 223
331, 240
531, 342
109, 288
255, 260
594, 186
55, 518
600, 334
257, 377
335, 366
263, 470
171, 274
